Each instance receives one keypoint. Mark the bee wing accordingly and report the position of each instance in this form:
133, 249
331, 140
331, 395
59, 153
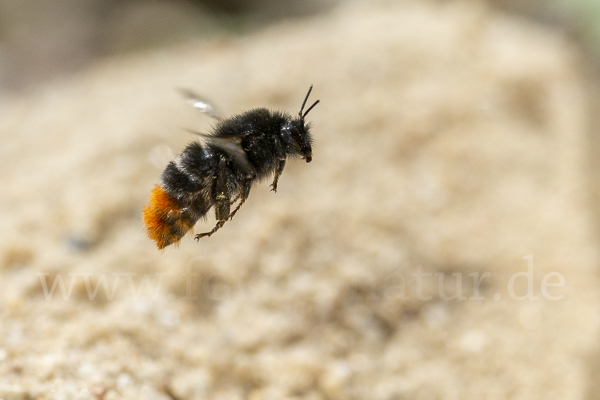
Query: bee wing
201, 104
231, 145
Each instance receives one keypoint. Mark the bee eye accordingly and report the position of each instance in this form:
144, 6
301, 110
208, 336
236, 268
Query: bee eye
297, 138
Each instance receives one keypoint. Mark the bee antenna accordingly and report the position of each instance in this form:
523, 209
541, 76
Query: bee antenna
310, 108
304, 103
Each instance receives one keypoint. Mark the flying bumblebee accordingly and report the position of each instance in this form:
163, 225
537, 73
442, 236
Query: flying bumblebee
242, 150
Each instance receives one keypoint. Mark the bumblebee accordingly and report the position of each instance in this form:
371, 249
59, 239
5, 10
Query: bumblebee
241, 151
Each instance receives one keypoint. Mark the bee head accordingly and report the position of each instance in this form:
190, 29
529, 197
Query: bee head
298, 131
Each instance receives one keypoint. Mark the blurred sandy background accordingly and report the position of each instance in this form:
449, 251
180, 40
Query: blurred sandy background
441, 245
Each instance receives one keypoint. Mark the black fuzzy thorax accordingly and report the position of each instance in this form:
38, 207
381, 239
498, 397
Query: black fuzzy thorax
260, 132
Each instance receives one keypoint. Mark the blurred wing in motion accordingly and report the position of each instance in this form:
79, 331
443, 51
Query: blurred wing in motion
201, 104
232, 145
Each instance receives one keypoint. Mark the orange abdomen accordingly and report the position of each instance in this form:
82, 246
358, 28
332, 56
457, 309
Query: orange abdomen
165, 220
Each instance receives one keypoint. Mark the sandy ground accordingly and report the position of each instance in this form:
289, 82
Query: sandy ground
441, 244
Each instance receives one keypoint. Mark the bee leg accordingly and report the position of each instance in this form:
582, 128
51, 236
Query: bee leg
223, 200
278, 172
216, 228
244, 193
222, 213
